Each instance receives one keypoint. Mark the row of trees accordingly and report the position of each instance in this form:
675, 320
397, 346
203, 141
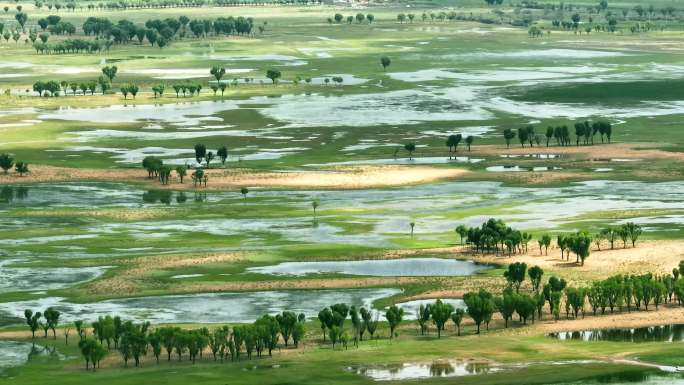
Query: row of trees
584, 134
494, 235
7, 161
150, 4
133, 341
156, 32
360, 18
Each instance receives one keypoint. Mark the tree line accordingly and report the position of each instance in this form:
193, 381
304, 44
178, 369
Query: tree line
156, 168
7, 162
495, 236
585, 132
133, 340
156, 32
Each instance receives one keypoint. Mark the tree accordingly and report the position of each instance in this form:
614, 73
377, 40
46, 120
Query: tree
21, 168
506, 305
423, 317
536, 273
244, 191
217, 72
441, 313
385, 62
21, 18
274, 75
515, 275
181, 171
360, 17
222, 154
200, 152
469, 141
33, 321
110, 72
152, 164
401, 18
580, 244
6, 162
268, 329
452, 142
545, 241
457, 319
51, 320
525, 306
410, 147
633, 230
394, 317
508, 136
209, 157
298, 333
325, 317
335, 334
462, 232
479, 306
286, 321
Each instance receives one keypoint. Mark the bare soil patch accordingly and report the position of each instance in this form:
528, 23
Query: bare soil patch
221, 179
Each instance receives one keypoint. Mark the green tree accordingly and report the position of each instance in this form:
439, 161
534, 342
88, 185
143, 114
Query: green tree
394, 316
385, 62
6, 162
200, 152
110, 72
506, 305
508, 136
515, 275
21, 168
479, 306
286, 321
217, 72
469, 141
457, 319
33, 321
222, 154
633, 231
441, 313
274, 75
51, 320
423, 317
536, 273
410, 147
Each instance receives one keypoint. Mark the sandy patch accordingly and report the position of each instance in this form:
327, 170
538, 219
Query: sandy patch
131, 278
597, 151
219, 179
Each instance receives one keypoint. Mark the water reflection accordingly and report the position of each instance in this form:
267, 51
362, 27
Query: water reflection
409, 371
661, 333
10, 193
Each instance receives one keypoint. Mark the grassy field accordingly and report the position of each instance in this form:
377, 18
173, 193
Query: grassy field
86, 231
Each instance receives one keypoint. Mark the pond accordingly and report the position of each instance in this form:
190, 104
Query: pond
202, 308
414, 371
661, 333
411, 307
407, 267
43, 278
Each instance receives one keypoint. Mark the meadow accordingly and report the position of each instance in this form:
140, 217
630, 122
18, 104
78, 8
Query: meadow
338, 187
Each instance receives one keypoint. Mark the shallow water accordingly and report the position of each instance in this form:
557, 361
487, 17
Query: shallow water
662, 333
411, 308
407, 267
414, 371
416, 160
203, 308
43, 278
14, 353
